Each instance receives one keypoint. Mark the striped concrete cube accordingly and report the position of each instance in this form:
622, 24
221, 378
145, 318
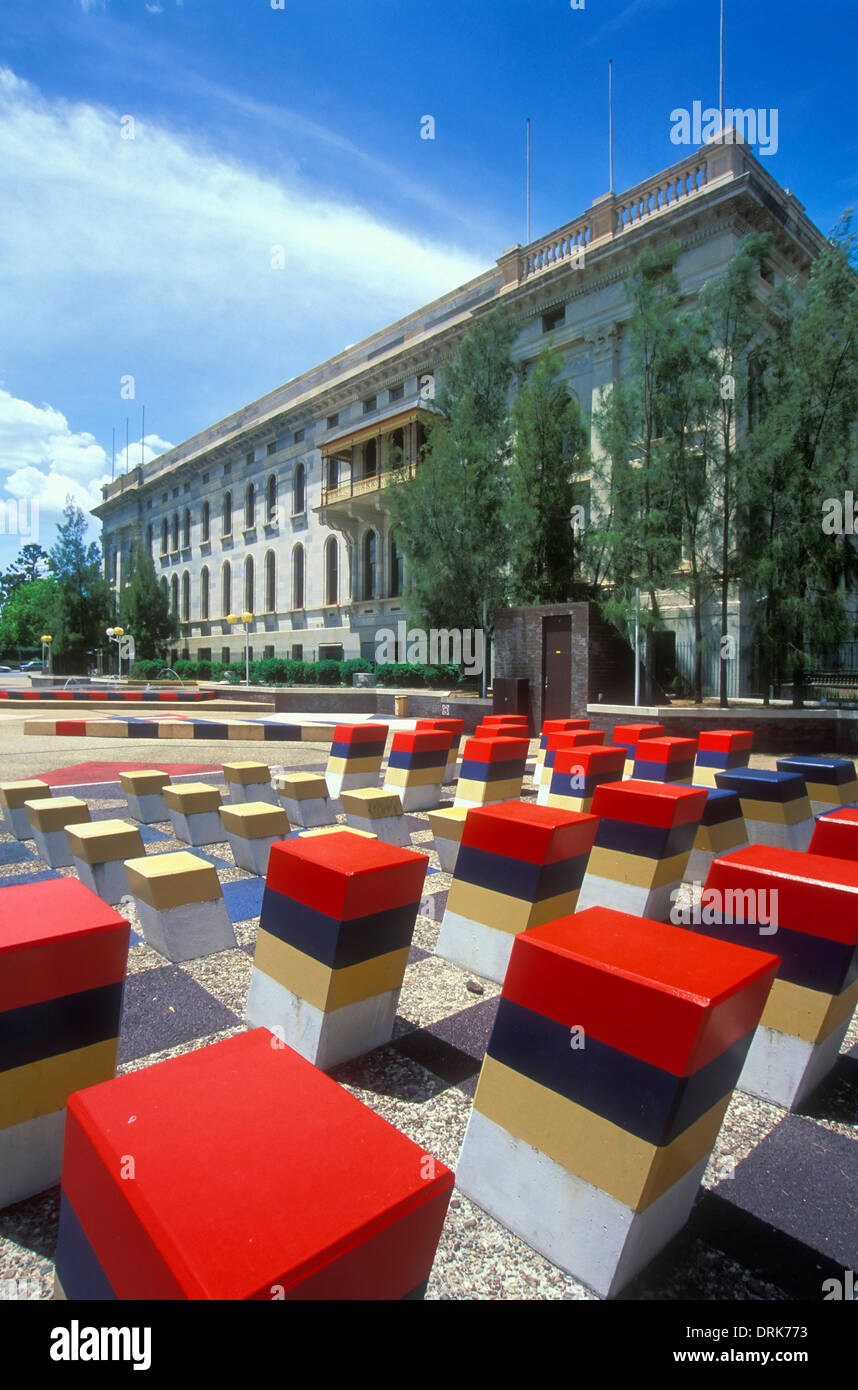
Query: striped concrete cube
378, 812
48, 821
417, 767
355, 757
63, 955
612, 1061
447, 825
13, 800
665, 760
455, 728
721, 831
335, 930
249, 782
492, 770
775, 806
251, 828
830, 782
503, 721
568, 741
805, 907
304, 798
576, 774
721, 750
555, 726
194, 813
180, 905
519, 865
99, 850
144, 792
836, 834
256, 1177
628, 736
645, 835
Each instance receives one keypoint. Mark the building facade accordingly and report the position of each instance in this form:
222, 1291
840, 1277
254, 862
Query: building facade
279, 509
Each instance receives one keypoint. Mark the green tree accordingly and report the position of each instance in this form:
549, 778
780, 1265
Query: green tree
29, 611
449, 518
549, 449
144, 608
31, 563
86, 604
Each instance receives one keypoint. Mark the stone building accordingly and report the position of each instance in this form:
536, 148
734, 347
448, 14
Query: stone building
279, 509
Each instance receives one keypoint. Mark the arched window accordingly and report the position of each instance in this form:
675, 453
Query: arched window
396, 569
207, 521
186, 528
270, 582
174, 596
332, 558
249, 507
369, 565
165, 536
227, 514
248, 584
271, 500
298, 499
186, 597
204, 593
175, 530
298, 577
165, 589
226, 588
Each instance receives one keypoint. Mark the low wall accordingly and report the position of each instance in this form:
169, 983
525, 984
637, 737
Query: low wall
775, 730
348, 700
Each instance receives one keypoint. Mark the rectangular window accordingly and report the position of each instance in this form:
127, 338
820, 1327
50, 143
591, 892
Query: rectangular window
552, 319
333, 420
187, 487
248, 459
268, 654
227, 468
396, 392
272, 447
370, 404
299, 436
224, 655
204, 654
205, 477
297, 651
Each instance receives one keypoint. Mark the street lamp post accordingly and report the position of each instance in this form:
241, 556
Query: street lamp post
247, 619
47, 639
115, 634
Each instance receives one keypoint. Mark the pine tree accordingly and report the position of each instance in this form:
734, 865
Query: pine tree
85, 600
144, 608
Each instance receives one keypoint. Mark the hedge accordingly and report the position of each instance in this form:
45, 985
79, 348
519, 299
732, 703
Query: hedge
283, 671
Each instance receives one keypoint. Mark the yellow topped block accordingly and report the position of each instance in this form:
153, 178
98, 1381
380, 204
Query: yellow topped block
192, 798
448, 823
172, 880
13, 795
331, 829
371, 803
56, 813
246, 774
101, 841
301, 786
147, 782
255, 820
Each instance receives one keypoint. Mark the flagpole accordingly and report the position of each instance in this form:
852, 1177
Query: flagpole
721, 86
610, 125
528, 182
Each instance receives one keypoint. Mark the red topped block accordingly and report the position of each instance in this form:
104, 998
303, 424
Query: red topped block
360, 733
669, 750
491, 721
836, 834
495, 750
57, 938
611, 973
726, 741
563, 726
633, 733
576, 738
523, 830
421, 741
256, 1177
816, 895
456, 727
590, 761
344, 875
649, 803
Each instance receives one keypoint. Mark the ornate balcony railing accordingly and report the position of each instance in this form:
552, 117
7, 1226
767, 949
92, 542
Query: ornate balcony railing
360, 487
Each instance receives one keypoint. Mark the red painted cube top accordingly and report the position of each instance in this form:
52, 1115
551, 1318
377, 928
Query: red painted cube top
649, 803
253, 1169
669, 750
57, 938
633, 733
563, 726
726, 741
575, 738
495, 750
590, 761
816, 894
344, 875
360, 733
523, 830
455, 726
656, 992
836, 834
421, 741
498, 720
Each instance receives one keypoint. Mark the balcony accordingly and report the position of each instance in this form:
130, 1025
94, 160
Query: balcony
363, 487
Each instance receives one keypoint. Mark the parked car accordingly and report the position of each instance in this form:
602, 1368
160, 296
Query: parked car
32, 666
6, 668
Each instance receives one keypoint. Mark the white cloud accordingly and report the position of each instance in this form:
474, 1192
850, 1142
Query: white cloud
43, 459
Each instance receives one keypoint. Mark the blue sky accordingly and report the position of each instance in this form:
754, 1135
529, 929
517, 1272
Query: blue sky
300, 127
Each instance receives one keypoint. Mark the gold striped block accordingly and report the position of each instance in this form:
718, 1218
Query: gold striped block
247, 774
42, 1087
15, 795
636, 869
101, 841
172, 880
56, 813
807, 1013
322, 987
255, 820
192, 798
483, 793
776, 812
503, 912
145, 782
301, 786
371, 803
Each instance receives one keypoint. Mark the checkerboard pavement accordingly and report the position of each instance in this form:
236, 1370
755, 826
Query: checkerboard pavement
776, 1214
